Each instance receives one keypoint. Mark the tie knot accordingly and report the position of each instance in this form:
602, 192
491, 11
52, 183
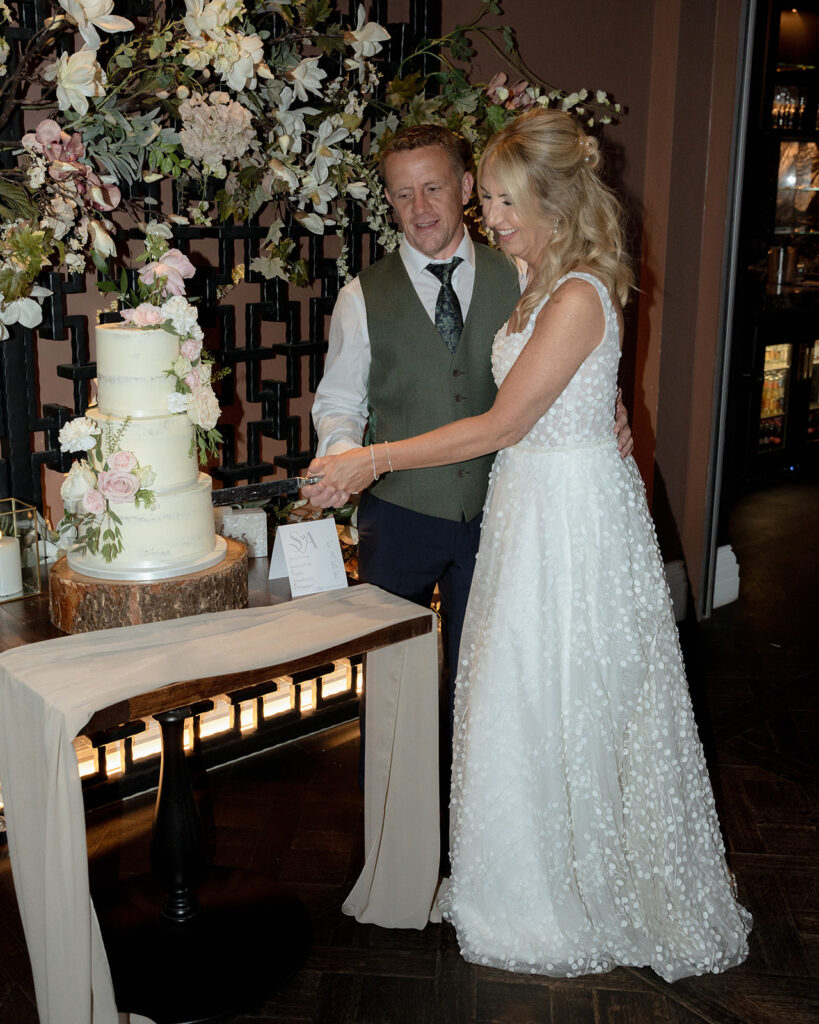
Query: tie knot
444, 271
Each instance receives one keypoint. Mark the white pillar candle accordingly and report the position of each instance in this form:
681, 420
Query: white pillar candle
11, 573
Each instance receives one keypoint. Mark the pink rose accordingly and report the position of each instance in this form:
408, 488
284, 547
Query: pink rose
180, 262
190, 349
192, 379
123, 462
145, 315
93, 502
118, 487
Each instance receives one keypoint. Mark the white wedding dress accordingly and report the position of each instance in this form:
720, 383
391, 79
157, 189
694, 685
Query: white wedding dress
584, 833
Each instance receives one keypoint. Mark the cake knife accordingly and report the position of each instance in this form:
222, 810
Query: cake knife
267, 490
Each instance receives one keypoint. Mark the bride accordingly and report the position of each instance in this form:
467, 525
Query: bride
583, 833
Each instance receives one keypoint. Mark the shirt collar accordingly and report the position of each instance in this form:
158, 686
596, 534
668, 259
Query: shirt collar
416, 262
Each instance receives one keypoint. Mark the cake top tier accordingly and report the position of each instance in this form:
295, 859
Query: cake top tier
133, 365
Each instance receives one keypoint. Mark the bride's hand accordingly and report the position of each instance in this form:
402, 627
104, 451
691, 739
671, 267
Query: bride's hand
341, 476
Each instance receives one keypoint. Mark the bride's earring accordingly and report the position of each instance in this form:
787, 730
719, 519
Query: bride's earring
557, 221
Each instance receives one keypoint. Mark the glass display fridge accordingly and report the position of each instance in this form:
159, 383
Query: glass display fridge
786, 429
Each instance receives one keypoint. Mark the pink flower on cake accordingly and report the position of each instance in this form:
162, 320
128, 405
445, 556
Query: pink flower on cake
174, 267
93, 502
192, 379
123, 462
190, 349
203, 408
145, 315
117, 487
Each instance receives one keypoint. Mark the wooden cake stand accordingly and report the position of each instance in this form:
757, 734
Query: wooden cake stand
79, 604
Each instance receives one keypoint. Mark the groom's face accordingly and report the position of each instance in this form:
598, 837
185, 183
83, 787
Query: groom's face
428, 196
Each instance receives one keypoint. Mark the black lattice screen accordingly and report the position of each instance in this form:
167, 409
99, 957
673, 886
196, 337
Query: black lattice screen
264, 334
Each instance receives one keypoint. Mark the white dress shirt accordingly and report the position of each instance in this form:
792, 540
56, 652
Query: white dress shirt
340, 409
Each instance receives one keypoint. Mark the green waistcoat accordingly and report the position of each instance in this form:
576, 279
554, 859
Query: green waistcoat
417, 384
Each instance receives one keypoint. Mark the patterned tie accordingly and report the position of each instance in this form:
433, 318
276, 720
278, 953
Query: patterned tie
448, 317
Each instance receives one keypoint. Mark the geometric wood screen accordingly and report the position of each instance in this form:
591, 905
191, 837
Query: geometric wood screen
276, 334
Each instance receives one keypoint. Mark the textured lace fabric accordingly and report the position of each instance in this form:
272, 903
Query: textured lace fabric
584, 833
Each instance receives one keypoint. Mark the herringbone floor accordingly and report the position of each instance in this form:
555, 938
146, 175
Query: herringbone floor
295, 813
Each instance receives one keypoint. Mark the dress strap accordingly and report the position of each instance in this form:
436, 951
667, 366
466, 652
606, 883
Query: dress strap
602, 290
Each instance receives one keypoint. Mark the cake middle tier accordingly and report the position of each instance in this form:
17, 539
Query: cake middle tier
165, 443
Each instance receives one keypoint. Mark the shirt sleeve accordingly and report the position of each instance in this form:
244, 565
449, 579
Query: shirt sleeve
340, 408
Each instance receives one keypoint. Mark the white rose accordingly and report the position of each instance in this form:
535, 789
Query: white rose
146, 477
79, 479
203, 408
182, 367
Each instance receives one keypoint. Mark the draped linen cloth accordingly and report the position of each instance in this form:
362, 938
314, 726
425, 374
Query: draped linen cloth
50, 690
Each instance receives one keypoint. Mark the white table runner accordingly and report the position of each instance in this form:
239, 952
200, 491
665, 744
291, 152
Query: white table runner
50, 690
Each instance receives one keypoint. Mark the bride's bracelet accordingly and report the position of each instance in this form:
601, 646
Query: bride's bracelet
372, 456
389, 460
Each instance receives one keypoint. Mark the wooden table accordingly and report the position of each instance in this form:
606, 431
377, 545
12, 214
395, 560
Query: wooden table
54, 683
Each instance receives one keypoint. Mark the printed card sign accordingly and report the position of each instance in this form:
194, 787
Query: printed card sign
309, 554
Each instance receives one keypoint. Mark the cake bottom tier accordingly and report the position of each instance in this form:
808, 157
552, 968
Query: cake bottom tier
173, 538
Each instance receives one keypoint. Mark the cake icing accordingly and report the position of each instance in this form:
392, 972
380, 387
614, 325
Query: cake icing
175, 534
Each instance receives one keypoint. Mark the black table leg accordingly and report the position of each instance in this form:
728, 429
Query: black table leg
189, 945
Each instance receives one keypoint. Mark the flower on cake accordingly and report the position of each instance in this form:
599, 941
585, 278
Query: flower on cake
79, 435
108, 475
169, 273
161, 302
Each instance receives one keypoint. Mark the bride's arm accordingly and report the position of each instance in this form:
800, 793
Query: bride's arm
565, 333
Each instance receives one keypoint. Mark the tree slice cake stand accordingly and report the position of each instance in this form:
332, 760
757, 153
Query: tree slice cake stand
80, 604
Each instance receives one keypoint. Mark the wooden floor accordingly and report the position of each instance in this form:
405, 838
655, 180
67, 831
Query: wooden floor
295, 813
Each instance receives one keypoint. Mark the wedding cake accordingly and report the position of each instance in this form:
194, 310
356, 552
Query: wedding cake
140, 506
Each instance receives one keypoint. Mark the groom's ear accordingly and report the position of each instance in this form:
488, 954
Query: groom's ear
467, 184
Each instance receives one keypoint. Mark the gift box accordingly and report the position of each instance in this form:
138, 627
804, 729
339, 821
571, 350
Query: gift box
249, 525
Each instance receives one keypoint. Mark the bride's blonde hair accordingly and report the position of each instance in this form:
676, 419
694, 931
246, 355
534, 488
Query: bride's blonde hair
549, 168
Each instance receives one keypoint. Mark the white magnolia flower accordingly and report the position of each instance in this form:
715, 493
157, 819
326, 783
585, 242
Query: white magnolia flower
89, 15
79, 77
311, 221
209, 19
281, 172
79, 435
177, 402
323, 155
306, 77
156, 229
358, 190
366, 39
320, 195
238, 59
101, 240
25, 311
292, 121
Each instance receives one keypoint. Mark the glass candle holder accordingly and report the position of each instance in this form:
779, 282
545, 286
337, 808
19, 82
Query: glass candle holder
21, 548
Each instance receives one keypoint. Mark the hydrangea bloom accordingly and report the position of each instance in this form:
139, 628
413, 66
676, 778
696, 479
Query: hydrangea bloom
214, 130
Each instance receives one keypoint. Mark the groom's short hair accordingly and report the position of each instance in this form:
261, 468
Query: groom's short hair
422, 136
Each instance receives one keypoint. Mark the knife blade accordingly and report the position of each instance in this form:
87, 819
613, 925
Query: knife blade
267, 490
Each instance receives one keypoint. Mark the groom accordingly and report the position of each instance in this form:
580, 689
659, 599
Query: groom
389, 368
409, 350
